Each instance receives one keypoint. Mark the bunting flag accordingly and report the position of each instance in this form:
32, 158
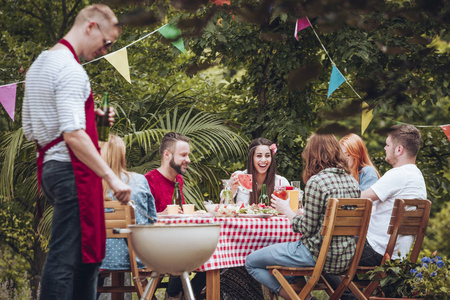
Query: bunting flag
119, 60
300, 25
220, 2
366, 117
171, 32
336, 79
446, 130
8, 98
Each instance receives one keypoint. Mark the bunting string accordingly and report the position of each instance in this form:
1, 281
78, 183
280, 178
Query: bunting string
119, 59
329, 57
132, 43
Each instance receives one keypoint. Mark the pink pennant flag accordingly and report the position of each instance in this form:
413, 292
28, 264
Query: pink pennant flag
8, 98
446, 130
300, 25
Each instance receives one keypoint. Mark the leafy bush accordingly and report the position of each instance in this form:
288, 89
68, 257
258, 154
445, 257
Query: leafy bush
428, 279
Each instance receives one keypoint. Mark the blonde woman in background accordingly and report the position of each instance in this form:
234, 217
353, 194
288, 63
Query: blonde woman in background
113, 153
359, 161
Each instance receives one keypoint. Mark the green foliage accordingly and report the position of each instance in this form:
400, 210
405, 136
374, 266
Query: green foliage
431, 279
16, 228
401, 278
438, 232
393, 277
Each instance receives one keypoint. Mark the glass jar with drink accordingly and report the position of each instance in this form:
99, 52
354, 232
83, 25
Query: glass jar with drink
226, 195
280, 191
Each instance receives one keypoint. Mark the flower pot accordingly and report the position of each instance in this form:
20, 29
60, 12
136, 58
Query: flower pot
382, 298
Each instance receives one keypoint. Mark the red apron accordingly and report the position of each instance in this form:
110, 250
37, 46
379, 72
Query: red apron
89, 188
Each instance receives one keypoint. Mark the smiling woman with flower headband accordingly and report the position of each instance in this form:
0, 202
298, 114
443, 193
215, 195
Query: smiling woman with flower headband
261, 164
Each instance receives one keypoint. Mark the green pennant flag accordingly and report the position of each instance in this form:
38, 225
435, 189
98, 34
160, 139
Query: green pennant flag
171, 32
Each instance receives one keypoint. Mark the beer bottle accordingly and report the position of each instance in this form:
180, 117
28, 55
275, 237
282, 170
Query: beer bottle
263, 197
102, 121
176, 197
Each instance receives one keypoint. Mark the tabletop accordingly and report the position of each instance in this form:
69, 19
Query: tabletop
241, 236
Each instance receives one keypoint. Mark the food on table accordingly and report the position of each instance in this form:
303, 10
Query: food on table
245, 181
223, 210
258, 209
200, 212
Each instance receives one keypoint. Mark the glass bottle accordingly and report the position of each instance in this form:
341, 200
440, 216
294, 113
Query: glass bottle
176, 197
263, 197
102, 121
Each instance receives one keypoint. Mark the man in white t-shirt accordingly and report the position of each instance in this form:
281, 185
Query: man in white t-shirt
403, 181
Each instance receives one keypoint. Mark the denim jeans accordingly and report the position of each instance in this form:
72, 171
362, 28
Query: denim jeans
369, 257
290, 254
64, 275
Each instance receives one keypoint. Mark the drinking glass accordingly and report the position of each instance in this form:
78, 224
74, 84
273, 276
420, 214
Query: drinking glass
226, 195
280, 192
296, 185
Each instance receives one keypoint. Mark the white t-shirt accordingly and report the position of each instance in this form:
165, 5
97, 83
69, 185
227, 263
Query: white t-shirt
405, 182
243, 195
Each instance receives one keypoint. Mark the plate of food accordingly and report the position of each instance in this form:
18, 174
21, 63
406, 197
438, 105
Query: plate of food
202, 214
255, 215
223, 210
257, 209
179, 216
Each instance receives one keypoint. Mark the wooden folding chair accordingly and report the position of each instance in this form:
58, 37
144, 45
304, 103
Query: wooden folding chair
120, 217
409, 217
342, 217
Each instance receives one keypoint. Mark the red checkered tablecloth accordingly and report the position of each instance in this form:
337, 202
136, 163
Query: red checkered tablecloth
241, 236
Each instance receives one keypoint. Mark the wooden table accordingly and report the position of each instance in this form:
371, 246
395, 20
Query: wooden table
238, 238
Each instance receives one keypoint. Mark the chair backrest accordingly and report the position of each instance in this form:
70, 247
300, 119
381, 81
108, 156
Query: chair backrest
120, 216
117, 215
409, 217
345, 217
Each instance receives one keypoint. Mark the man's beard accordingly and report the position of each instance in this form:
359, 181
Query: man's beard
176, 167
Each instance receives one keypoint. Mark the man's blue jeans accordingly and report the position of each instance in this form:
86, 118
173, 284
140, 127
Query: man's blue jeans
64, 275
290, 254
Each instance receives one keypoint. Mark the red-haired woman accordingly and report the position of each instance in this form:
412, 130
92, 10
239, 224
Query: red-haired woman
359, 161
326, 175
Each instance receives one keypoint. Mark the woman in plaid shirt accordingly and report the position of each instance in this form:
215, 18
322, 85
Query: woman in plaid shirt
326, 175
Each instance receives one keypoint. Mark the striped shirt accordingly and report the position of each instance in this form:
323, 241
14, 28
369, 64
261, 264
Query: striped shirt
56, 89
328, 183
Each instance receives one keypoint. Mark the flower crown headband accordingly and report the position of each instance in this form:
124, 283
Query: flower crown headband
272, 148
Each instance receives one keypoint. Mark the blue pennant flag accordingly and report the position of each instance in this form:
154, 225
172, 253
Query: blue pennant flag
336, 80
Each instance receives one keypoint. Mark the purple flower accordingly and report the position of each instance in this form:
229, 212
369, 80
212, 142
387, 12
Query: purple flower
413, 271
439, 257
425, 266
433, 274
433, 260
425, 260
439, 263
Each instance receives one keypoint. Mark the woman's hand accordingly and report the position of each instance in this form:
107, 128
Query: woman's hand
282, 206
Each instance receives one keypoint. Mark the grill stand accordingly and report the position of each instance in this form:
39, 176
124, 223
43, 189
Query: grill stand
154, 279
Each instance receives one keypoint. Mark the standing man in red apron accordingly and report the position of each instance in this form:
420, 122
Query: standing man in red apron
58, 114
